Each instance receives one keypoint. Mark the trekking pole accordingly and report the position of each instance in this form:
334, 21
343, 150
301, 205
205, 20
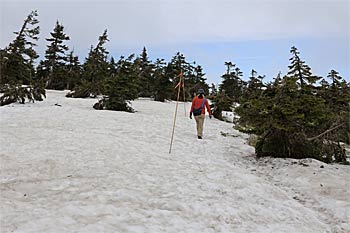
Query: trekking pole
177, 104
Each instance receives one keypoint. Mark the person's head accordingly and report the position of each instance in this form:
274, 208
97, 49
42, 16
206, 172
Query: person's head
200, 92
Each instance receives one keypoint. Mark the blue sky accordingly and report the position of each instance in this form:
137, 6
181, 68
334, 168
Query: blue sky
250, 33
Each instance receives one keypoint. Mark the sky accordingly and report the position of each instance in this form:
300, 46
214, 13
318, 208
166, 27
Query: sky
253, 34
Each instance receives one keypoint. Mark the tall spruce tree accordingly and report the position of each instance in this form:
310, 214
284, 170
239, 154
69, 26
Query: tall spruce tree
162, 86
56, 59
17, 65
336, 95
73, 68
232, 84
213, 90
196, 80
254, 86
300, 71
145, 74
95, 71
121, 87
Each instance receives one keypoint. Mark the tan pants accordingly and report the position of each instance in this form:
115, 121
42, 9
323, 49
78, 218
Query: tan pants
200, 121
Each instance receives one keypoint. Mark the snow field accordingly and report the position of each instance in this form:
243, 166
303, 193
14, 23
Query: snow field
75, 169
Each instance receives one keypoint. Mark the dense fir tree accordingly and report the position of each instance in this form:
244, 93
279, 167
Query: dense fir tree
232, 83
222, 102
54, 65
145, 74
336, 95
192, 74
17, 65
163, 87
213, 90
121, 87
73, 68
177, 65
300, 71
196, 80
254, 87
290, 117
95, 71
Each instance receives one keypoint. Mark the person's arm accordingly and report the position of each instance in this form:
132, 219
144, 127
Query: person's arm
191, 110
192, 106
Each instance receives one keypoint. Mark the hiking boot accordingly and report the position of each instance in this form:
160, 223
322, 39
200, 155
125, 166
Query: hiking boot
199, 137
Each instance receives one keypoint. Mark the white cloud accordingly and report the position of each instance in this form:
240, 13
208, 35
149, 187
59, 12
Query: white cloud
162, 22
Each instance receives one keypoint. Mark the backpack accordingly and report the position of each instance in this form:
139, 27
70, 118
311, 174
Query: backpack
197, 112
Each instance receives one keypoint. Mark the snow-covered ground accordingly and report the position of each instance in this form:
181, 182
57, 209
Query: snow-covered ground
71, 168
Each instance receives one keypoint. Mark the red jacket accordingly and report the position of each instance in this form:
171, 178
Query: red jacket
197, 103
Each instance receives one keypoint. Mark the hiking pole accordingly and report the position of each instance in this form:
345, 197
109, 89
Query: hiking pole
177, 104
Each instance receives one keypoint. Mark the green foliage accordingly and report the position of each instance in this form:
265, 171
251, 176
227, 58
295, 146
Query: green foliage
254, 87
193, 76
73, 69
95, 71
16, 64
162, 85
222, 102
232, 84
18, 94
53, 69
121, 87
145, 74
291, 115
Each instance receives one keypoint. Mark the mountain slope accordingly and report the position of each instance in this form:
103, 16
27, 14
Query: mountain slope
71, 168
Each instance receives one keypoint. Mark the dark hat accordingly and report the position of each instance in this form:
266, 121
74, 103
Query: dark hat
200, 91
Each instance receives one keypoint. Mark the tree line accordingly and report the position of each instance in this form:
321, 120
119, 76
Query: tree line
116, 82
296, 115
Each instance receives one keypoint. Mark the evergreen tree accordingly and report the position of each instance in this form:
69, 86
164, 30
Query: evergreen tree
213, 90
232, 83
300, 71
196, 80
191, 72
291, 118
177, 65
163, 86
73, 68
17, 67
145, 74
120, 88
222, 102
56, 58
336, 95
254, 87
95, 71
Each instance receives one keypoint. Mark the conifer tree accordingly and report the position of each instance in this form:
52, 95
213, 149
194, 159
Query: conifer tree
291, 118
232, 83
95, 71
213, 90
163, 86
17, 65
336, 95
145, 74
196, 80
300, 71
120, 88
177, 65
56, 59
73, 68
222, 102
254, 86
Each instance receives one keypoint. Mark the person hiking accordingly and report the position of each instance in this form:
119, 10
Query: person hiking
199, 103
